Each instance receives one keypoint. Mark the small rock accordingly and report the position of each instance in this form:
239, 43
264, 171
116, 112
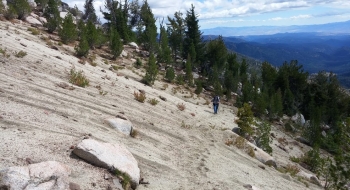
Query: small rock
162, 98
23, 44
74, 186
142, 91
54, 47
58, 57
72, 147
273, 135
107, 177
103, 70
271, 163
261, 166
93, 184
29, 161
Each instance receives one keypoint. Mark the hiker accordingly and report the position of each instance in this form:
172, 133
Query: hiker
216, 101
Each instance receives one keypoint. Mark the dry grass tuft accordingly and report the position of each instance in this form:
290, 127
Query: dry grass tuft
20, 54
153, 101
134, 133
181, 106
292, 169
78, 78
140, 97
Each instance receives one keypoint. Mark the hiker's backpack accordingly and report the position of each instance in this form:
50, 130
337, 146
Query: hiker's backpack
216, 99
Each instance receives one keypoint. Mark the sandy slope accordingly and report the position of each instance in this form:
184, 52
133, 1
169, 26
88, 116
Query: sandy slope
41, 121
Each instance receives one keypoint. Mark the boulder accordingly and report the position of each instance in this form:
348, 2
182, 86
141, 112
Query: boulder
298, 119
34, 15
124, 54
312, 178
33, 21
134, 45
120, 123
109, 156
63, 14
44, 175
42, 20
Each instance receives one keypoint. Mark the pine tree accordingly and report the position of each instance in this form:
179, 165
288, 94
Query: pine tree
229, 83
189, 75
68, 32
176, 30
52, 15
170, 74
164, 54
149, 35
21, 7
116, 45
90, 14
216, 52
151, 71
91, 33
83, 48
246, 120
193, 35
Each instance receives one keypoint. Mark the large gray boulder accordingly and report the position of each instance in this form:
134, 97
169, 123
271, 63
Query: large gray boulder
120, 123
109, 156
298, 119
45, 175
33, 21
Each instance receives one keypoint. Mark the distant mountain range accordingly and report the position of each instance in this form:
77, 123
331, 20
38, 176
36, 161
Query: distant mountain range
317, 47
328, 29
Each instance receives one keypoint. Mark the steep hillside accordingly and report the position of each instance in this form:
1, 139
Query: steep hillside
41, 120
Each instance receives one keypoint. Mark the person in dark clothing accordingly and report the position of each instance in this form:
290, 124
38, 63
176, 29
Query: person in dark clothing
216, 101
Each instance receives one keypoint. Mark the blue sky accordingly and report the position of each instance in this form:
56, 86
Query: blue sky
237, 13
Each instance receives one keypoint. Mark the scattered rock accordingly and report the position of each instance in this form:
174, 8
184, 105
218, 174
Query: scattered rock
162, 98
44, 175
54, 47
29, 161
109, 156
142, 181
271, 163
65, 86
261, 166
236, 130
273, 135
120, 123
74, 186
250, 187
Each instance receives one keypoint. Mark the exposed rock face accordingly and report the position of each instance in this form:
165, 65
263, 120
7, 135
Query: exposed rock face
109, 156
122, 124
45, 175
